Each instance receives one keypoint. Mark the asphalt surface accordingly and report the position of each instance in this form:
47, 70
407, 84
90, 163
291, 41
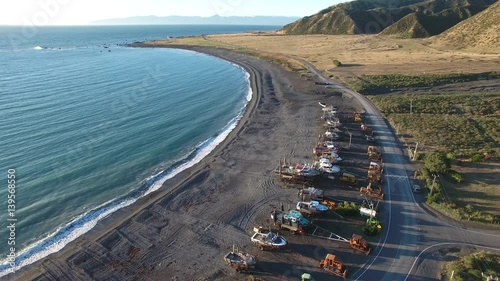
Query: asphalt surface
414, 241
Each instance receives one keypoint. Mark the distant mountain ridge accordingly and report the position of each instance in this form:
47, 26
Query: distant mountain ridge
403, 19
154, 20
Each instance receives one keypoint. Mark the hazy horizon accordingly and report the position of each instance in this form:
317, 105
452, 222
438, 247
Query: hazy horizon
79, 12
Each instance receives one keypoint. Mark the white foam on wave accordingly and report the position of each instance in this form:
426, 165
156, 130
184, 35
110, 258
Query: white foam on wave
249, 85
85, 222
51, 244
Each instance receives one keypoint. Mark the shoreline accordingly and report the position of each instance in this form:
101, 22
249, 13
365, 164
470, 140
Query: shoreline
169, 186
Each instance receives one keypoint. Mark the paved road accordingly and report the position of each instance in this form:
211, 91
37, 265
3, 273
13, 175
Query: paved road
411, 237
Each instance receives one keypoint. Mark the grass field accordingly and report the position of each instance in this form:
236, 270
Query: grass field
471, 267
464, 125
384, 83
359, 55
480, 188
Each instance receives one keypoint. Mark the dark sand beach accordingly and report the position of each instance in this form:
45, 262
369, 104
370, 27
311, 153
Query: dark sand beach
182, 231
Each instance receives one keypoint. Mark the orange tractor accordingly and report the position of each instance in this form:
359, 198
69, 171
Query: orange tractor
372, 192
358, 243
334, 265
374, 153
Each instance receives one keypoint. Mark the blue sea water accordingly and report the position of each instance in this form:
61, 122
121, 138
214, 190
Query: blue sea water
90, 126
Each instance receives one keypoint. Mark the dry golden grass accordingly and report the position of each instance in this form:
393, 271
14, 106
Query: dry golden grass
359, 54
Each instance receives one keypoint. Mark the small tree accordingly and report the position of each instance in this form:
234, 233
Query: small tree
436, 163
337, 63
469, 210
451, 156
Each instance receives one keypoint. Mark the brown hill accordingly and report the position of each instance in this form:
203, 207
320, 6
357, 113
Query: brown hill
480, 31
406, 18
420, 25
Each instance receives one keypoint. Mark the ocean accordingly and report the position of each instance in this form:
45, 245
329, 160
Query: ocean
88, 125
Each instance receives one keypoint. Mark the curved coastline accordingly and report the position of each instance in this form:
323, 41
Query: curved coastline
171, 183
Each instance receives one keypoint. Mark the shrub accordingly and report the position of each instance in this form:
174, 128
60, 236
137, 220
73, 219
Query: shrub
451, 156
337, 63
370, 230
477, 158
434, 198
436, 163
456, 175
347, 209
424, 174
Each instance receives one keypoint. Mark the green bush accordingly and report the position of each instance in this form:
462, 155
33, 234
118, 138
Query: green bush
424, 174
477, 158
451, 156
337, 63
370, 229
458, 177
434, 198
436, 163
347, 209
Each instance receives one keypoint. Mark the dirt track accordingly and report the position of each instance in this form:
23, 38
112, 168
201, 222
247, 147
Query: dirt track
182, 231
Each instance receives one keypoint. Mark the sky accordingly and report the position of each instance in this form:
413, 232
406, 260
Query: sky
81, 12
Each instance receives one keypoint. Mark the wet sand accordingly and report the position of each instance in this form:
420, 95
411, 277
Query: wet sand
182, 231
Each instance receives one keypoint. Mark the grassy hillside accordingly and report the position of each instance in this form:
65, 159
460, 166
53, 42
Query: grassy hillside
481, 30
403, 19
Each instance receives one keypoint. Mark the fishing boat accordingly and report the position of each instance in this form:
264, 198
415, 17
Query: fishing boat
267, 240
240, 261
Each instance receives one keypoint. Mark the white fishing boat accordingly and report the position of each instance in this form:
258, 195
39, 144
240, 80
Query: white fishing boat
267, 240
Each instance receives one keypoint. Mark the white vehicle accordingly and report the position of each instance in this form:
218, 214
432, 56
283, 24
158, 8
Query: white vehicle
367, 212
312, 207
